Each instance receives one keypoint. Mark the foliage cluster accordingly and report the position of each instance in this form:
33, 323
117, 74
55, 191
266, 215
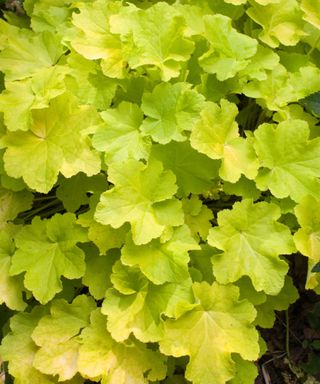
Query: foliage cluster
159, 170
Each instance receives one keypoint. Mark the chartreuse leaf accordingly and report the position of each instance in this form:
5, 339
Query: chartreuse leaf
10, 287
243, 187
201, 262
264, 60
161, 261
98, 271
57, 336
55, 142
266, 310
282, 87
20, 97
216, 327
307, 238
289, 159
311, 10
104, 237
194, 171
12, 203
120, 137
139, 308
88, 83
26, 54
19, 350
163, 46
197, 217
247, 251
171, 109
100, 357
50, 15
281, 22
93, 39
73, 191
236, 2
296, 111
217, 136
245, 371
143, 196
46, 251
229, 50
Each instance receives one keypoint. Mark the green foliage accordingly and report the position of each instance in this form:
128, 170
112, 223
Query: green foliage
159, 170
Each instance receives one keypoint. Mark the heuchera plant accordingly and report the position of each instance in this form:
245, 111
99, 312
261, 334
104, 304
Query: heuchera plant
160, 167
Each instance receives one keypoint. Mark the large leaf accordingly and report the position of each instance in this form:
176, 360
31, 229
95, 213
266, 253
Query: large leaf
46, 251
216, 135
120, 137
18, 348
142, 195
281, 22
26, 54
10, 287
217, 327
56, 335
290, 161
194, 171
162, 261
139, 306
101, 357
93, 39
171, 109
247, 251
154, 36
230, 51
55, 142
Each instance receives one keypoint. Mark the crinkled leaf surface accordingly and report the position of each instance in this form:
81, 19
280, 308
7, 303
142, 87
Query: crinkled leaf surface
56, 142
216, 135
290, 160
142, 195
241, 235
46, 251
217, 327
171, 109
100, 356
